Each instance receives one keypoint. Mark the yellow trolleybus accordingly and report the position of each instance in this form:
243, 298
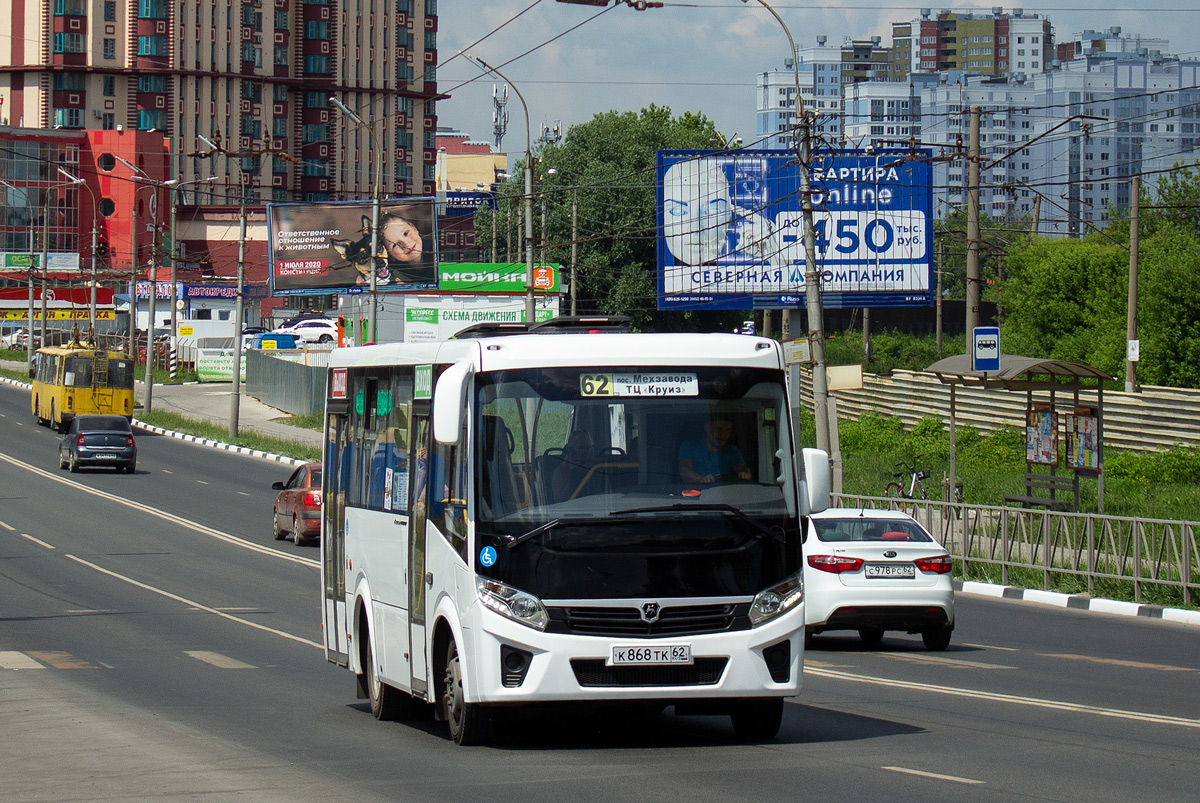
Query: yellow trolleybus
78, 378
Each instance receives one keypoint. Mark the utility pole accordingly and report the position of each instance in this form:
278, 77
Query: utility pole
376, 192
973, 278
1135, 189
574, 249
133, 269
938, 300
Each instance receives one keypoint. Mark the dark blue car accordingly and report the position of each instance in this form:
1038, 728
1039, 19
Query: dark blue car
98, 440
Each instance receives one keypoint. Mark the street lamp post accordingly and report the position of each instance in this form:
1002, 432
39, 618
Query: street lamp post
812, 279
95, 243
235, 397
176, 187
376, 191
29, 273
529, 306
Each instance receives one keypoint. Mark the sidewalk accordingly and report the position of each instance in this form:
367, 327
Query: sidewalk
211, 401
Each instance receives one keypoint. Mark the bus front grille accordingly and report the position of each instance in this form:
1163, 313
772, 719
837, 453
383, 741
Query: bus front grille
627, 622
592, 672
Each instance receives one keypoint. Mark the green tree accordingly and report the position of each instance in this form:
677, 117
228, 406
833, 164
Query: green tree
607, 166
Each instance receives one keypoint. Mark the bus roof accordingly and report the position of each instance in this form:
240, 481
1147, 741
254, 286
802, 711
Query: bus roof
612, 349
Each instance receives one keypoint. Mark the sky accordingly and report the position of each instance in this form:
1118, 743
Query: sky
694, 55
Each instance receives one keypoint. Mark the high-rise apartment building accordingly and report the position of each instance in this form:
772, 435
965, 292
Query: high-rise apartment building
253, 76
984, 44
822, 72
1073, 135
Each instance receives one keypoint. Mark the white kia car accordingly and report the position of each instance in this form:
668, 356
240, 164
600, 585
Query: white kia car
873, 571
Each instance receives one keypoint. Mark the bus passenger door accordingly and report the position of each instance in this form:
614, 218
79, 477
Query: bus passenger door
421, 461
333, 540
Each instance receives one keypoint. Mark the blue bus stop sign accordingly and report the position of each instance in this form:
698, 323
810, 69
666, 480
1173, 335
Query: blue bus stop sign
985, 353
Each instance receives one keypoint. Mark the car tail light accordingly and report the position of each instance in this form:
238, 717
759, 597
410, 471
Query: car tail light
312, 499
939, 564
129, 441
79, 440
834, 564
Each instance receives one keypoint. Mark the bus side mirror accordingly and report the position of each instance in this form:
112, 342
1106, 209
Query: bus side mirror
449, 401
816, 482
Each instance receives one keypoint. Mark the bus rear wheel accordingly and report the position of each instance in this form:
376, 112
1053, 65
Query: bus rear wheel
470, 723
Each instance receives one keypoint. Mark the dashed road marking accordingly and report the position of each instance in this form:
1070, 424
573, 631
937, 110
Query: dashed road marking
37, 541
935, 775
11, 659
61, 660
218, 660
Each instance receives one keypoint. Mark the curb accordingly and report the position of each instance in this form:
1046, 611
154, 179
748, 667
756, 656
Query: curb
1079, 602
170, 433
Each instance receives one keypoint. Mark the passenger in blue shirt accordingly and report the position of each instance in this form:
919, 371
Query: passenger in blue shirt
713, 458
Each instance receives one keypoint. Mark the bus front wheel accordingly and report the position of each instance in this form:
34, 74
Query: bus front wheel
757, 720
470, 723
385, 700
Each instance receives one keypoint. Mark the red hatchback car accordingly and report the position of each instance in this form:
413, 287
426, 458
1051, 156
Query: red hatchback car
298, 505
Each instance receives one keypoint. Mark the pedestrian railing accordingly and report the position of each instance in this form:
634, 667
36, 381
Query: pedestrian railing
1158, 558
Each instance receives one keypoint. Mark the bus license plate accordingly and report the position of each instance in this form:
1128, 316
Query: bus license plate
902, 570
647, 655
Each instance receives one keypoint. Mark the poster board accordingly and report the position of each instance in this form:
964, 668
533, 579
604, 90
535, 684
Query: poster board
1083, 441
1041, 437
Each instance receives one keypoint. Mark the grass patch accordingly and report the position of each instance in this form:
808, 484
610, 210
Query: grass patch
216, 432
313, 421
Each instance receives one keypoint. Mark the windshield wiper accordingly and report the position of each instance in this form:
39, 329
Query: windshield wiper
774, 532
516, 540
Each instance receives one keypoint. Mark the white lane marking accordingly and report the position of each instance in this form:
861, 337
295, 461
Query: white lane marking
201, 482
925, 658
8, 526
1057, 705
11, 659
178, 520
167, 471
242, 493
37, 541
218, 660
935, 775
196, 605
992, 647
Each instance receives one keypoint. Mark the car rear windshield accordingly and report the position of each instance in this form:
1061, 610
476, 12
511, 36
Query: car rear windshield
316, 478
868, 530
105, 423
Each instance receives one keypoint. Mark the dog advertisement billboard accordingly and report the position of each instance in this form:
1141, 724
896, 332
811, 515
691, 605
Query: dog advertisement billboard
326, 248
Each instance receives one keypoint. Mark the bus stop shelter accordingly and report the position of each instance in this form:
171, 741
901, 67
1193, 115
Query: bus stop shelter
1032, 374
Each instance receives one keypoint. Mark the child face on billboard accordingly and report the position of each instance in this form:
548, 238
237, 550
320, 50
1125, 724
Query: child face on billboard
696, 210
401, 240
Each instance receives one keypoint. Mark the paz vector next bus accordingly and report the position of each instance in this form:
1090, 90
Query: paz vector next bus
568, 512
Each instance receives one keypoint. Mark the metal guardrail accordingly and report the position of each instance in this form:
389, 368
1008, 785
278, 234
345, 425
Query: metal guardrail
1148, 553
1152, 418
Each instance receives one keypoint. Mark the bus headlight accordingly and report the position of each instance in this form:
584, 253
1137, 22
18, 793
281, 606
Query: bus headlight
512, 603
776, 600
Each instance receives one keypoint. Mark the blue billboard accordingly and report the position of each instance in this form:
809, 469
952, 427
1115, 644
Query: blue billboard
731, 229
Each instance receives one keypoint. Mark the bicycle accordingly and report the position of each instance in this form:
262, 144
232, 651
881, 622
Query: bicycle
916, 488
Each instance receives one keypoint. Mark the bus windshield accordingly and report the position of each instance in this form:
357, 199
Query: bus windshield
580, 443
